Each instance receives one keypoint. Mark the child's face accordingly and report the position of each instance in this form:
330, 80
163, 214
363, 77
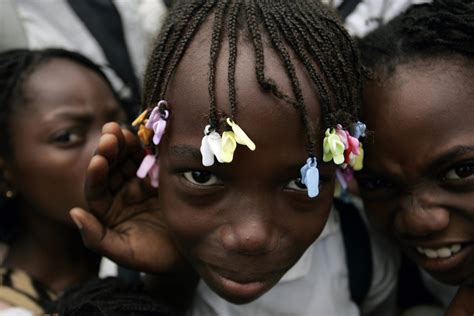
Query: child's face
244, 224
418, 180
54, 134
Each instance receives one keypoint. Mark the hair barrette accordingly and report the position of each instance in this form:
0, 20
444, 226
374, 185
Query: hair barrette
310, 176
151, 127
223, 147
342, 148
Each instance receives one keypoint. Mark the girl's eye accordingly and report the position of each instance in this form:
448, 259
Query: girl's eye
203, 178
68, 138
373, 183
296, 185
374, 188
464, 171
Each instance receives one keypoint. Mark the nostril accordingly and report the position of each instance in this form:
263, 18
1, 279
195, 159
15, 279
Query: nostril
249, 238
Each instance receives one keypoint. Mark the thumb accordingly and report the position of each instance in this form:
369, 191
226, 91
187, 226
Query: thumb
92, 231
101, 239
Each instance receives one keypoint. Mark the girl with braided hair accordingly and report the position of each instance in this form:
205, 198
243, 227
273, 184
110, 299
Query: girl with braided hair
251, 107
418, 181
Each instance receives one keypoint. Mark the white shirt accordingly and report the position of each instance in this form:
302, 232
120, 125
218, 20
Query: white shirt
369, 14
316, 285
52, 23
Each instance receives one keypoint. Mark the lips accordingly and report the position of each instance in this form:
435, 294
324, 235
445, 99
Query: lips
442, 257
248, 277
241, 287
443, 252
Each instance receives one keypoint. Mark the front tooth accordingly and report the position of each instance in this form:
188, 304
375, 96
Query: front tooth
430, 253
455, 248
444, 252
420, 250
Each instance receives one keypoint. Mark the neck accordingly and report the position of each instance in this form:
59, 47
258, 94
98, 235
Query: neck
52, 252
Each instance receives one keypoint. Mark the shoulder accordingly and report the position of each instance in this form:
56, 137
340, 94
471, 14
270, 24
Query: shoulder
18, 289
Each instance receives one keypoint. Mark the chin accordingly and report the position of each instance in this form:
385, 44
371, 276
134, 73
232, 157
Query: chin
241, 297
449, 279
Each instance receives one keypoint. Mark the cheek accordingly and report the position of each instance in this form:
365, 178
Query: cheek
52, 180
306, 225
188, 225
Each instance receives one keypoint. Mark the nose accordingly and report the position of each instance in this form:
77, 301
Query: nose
421, 217
249, 234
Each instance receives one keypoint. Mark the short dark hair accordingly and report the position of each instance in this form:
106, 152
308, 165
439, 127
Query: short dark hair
444, 28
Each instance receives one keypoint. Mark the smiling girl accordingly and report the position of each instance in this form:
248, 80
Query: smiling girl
418, 182
250, 106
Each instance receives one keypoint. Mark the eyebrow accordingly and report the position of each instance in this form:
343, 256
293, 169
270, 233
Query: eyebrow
453, 154
185, 151
72, 116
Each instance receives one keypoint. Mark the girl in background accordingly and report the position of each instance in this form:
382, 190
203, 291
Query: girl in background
53, 104
418, 180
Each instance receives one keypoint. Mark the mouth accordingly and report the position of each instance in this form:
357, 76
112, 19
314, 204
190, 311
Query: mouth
443, 258
443, 252
240, 288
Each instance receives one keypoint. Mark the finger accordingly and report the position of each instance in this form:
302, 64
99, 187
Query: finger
97, 185
116, 181
129, 169
99, 238
94, 235
108, 147
113, 128
133, 147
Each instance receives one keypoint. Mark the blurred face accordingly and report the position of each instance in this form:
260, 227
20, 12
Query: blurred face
418, 181
54, 134
244, 224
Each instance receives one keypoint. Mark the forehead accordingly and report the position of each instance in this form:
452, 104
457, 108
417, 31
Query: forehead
61, 82
259, 113
422, 107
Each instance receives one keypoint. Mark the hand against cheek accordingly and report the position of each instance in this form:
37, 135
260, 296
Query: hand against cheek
123, 222
463, 302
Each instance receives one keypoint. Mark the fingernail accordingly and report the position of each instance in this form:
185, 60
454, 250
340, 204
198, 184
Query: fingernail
77, 222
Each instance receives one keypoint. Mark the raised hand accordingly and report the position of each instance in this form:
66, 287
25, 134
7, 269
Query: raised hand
123, 221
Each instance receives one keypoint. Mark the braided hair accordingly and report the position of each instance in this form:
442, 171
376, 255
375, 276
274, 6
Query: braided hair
15, 68
444, 28
305, 28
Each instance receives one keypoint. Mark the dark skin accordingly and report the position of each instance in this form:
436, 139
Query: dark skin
463, 303
240, 225
418, 180
53, 135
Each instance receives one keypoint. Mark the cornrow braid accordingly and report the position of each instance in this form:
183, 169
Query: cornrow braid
439, 29
301, 29
214, 52
232, 34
